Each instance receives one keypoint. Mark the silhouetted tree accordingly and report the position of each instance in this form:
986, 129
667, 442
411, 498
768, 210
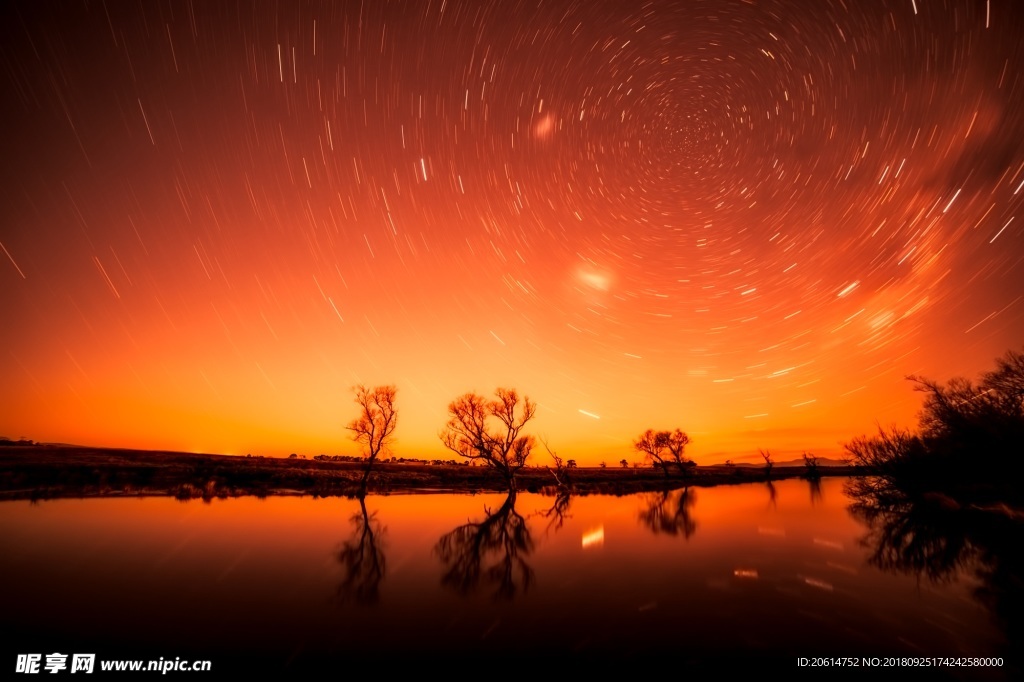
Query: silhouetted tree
561, 471
469, 434
665, 449
623, 463
375, 423
768, 463
963, 427
811, 471
571, 464
493, 550
362, 559
939, 502
559, 463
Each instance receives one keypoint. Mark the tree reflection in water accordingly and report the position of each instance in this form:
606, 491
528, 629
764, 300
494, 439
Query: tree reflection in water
558, 512
814, 485
362, 559
493, 551
931, 536
670, 512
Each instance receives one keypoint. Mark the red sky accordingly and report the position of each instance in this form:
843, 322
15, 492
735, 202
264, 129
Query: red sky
747, 220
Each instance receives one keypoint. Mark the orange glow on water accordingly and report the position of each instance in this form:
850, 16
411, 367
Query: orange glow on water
255, 568
593, 538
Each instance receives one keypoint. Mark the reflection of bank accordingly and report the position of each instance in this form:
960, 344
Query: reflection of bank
670, 512
931, 536
362, 559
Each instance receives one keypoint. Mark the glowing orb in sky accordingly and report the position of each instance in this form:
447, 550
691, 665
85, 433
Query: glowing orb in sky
594, 280
544, 126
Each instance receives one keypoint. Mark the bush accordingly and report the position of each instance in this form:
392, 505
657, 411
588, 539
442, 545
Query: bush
969, 434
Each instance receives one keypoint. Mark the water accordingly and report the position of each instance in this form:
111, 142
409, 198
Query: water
710, 577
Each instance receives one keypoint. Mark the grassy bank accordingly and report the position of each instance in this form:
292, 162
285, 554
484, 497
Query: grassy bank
54, 471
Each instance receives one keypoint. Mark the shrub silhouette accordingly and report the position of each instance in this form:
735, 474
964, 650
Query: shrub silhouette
969, 436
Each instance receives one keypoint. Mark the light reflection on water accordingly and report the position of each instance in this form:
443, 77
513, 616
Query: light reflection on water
740, 572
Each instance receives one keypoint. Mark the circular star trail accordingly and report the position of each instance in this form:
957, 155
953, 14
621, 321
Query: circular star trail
749, 220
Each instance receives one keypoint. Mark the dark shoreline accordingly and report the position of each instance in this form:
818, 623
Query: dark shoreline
36, 472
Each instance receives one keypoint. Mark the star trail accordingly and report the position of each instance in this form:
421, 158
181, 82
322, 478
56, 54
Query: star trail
749, 220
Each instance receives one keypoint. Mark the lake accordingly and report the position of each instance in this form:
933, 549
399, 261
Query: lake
704, 578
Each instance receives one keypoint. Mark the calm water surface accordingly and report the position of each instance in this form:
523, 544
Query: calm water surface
708, 576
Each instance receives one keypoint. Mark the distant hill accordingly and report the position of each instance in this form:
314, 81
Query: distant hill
822, 462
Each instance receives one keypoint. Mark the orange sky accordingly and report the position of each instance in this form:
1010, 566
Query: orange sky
745, 222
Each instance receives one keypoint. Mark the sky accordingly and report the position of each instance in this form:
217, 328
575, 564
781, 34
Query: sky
751, 220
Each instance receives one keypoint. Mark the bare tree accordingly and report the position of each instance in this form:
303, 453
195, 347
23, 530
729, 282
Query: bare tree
374, 427
892, 451
561, 472
768, 463
468, 432
559, 462
665, 449
676, 442
811, 471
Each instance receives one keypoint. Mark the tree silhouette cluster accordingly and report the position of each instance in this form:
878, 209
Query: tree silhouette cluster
665, 449
481, 430
490, 432
969, 435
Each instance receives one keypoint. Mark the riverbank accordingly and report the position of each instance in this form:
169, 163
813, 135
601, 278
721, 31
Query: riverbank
56, 471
